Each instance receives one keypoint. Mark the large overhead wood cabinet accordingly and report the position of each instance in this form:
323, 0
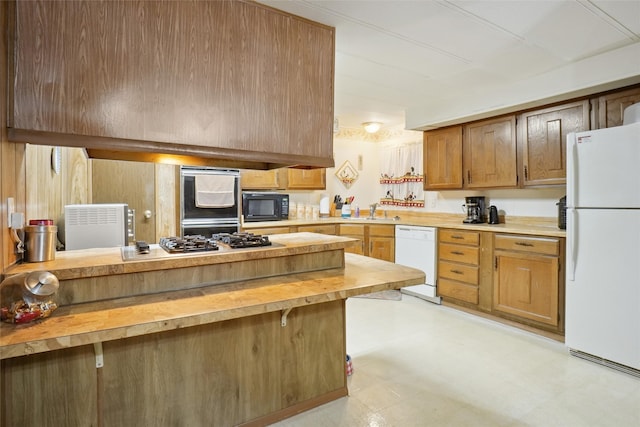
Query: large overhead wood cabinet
611, 106
443, 159
231, 80
284, 179
543, 141
489, 153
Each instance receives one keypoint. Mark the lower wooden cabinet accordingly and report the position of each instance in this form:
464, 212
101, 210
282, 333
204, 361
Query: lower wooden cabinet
317, 228
355, 231
527, 279
459, 265
382, 242
268, 230
376, 240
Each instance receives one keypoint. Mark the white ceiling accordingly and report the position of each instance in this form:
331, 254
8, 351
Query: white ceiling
421, 64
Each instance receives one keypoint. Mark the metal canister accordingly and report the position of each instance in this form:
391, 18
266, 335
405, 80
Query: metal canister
40, 242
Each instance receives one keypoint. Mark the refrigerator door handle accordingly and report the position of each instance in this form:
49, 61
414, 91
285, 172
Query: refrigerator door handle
572, 169
572, 244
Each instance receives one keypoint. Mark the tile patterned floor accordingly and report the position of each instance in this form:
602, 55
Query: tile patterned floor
419, 364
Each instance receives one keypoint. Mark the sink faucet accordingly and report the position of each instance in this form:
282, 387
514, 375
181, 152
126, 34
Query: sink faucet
372, 210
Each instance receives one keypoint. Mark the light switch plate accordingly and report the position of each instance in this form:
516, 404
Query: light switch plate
11, 208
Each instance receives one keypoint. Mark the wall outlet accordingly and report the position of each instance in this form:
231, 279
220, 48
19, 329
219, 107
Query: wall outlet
432, 198
11, 208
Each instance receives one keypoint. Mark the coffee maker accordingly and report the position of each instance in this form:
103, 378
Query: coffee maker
475, 210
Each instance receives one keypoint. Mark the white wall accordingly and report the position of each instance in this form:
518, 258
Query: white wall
351, 144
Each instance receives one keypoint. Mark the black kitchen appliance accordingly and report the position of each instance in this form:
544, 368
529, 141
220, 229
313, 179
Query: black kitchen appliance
475, 210
209, 200
267, 206
493, 215
562, 213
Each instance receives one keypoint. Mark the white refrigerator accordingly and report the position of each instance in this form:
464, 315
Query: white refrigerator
603, 246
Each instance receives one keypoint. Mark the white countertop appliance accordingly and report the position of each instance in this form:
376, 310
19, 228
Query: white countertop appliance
416, 247
603, 246
100, 225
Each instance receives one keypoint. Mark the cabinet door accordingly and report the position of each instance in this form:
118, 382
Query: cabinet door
318, 228
226, 78
544, 141
611, 107
355, 231
526, 286
489, 153
132, 183
443, 159
382, 248
274, 179
306, 179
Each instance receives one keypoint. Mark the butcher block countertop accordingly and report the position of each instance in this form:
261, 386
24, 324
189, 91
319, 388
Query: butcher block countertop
93, 322
109, 261
535, 226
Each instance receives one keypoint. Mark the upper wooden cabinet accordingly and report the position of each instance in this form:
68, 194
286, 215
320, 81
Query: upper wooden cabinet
273, 179
306, 179
443, 159
611, 106
232, 80
490, 153
543, 141
284, 179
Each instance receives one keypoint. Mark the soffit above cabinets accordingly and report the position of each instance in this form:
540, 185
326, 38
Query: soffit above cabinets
423, 64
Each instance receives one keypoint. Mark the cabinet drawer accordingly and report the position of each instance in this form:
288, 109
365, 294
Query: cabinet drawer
267, 231
352, 229
322, 229
459, 236
457, 290
382, 230
540, 245
458, 253
460, 272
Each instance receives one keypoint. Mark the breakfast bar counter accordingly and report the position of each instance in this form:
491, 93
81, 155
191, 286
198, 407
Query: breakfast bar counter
215, 347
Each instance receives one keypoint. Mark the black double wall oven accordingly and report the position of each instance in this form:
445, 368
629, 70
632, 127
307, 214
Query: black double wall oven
209, 201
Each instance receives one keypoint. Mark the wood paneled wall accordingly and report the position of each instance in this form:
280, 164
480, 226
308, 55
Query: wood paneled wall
12, 156
48, 192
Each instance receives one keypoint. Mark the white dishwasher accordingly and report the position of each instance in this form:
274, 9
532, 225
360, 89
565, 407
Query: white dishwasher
416, 247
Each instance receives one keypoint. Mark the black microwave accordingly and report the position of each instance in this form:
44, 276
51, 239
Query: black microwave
265, 206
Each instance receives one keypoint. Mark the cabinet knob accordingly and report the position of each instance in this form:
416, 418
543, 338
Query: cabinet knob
147, 214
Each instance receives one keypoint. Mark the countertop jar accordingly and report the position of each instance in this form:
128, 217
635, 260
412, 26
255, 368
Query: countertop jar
28, 296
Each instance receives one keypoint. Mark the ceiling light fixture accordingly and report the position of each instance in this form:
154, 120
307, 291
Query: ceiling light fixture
372, 127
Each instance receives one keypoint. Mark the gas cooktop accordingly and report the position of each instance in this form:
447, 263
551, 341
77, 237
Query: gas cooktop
242, 240
192, 243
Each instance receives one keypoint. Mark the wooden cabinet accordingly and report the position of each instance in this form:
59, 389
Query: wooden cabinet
382, 242
273, 179
459, 265
233, 80
490, 153
152, 190
443, 159
527, 278
355, 231
284, 179
268, 230
611, 107
376, 240
543, 141
318, 228
306, 179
